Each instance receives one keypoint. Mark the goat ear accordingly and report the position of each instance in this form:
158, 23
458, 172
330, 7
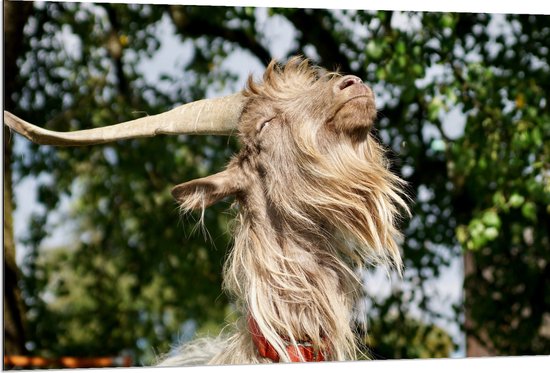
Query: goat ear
201, 193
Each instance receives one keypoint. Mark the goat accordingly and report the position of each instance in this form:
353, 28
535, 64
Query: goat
316, 202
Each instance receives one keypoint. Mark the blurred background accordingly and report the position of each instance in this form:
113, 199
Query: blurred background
98, 261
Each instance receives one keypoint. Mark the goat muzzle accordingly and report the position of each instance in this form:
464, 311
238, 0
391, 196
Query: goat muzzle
355, 108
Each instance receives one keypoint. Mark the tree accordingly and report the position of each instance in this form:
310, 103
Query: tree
135, 278
14, 317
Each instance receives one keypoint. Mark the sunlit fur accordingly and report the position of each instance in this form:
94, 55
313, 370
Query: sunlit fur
316, 202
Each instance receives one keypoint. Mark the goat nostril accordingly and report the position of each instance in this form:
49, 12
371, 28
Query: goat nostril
348, 81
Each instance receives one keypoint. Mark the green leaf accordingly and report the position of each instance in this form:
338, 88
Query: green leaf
418, 70
516, 200
433, 109
491, 233
400, 47
491, 219
461, 234
529, 210
499, 200
536, 136
447, 20
374, 50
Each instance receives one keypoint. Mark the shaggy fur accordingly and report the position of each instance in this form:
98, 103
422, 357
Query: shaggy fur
316, 202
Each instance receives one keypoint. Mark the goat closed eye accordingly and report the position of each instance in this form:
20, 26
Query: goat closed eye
262, 125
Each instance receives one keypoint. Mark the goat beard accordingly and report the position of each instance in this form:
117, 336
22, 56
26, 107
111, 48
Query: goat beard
298, 276
365, 201
346, 193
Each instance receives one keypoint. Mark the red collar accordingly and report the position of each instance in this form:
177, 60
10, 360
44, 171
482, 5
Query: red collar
303, 351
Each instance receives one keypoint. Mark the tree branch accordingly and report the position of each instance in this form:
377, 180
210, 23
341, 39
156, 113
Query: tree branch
314, 32
194, 28
115, 49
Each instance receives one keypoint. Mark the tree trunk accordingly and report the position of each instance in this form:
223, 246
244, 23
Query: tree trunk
474, 346
15, 17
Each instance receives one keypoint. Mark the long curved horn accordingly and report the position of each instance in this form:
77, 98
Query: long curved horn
214, 116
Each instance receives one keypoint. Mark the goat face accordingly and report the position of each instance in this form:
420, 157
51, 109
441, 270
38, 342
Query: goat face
300, 101
308, 162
